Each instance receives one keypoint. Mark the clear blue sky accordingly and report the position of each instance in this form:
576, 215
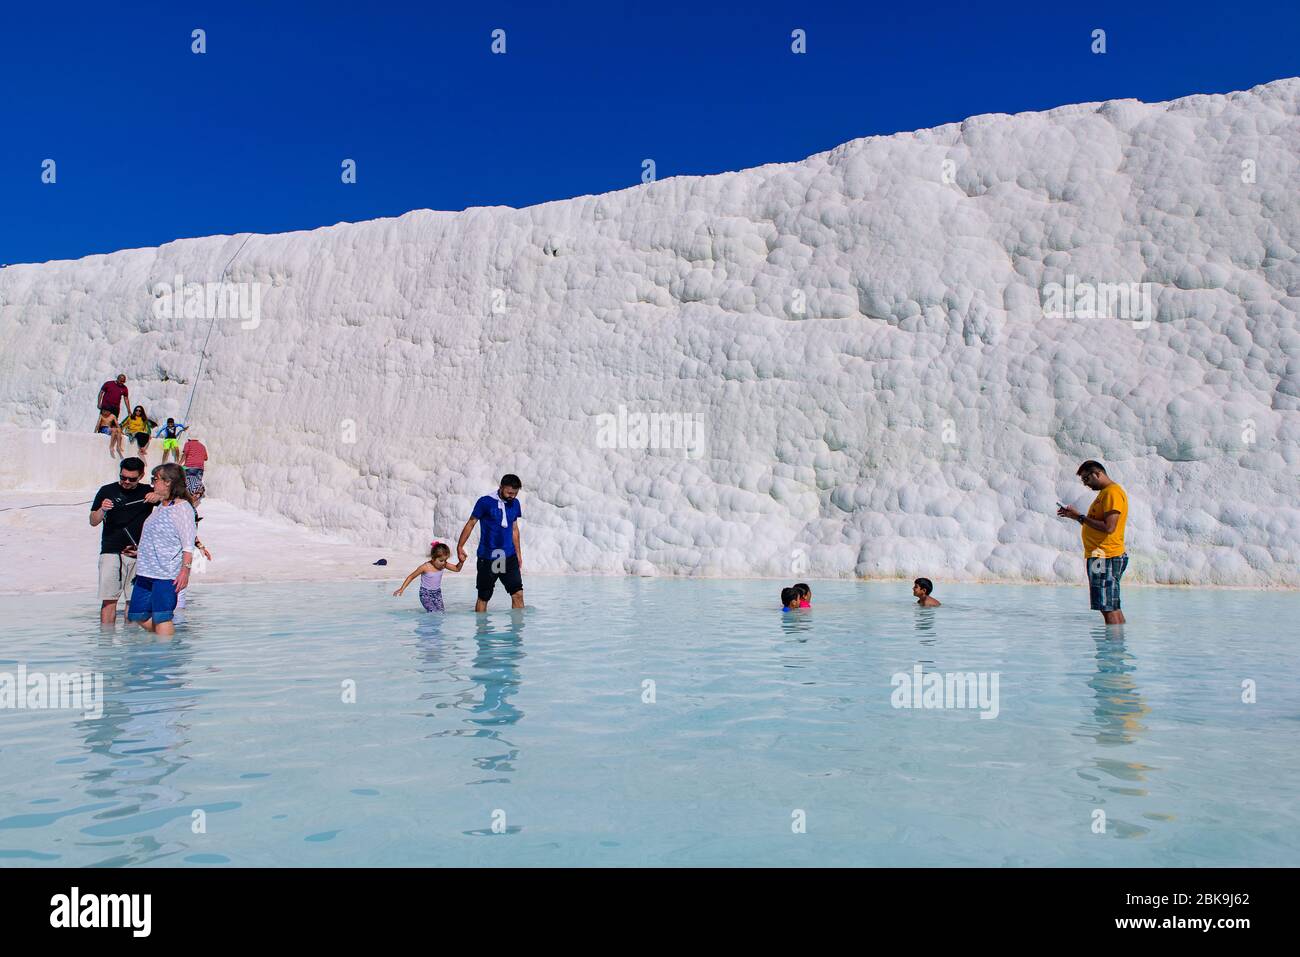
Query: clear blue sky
154, 143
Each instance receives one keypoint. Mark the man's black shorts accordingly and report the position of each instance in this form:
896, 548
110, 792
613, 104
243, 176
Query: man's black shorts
487, 578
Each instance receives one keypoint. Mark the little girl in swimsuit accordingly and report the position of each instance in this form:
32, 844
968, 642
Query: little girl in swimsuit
431, 576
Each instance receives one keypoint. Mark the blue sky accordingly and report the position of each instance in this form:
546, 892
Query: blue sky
154, 143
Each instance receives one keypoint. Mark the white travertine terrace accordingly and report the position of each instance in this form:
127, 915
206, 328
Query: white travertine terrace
920, 416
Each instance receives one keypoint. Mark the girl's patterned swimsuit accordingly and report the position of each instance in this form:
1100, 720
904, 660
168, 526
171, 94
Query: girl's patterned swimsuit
431, 591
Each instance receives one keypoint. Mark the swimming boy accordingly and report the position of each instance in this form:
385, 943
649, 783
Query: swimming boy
789, 599
921, 588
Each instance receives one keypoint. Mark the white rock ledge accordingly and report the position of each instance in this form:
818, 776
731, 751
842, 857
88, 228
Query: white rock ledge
824, 430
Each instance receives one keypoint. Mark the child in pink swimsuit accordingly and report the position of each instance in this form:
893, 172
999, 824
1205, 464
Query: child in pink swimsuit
431, 576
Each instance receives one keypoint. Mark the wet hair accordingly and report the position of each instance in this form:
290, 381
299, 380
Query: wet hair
788, 597
1092, 465
511, 480
132, 464
927, 586
437, 549
801, 589
170, 420
174, 476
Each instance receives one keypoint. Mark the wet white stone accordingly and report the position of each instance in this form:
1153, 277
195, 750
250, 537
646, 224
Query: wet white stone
881, 391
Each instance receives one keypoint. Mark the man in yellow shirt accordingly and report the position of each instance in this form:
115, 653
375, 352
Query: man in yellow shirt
1103, 539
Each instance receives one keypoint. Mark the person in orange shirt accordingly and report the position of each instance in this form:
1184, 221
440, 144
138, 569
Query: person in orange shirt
1103, 539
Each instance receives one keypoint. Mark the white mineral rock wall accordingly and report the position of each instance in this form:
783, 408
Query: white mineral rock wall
860, 338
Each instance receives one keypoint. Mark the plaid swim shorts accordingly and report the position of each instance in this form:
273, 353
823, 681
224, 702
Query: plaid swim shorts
1103, 582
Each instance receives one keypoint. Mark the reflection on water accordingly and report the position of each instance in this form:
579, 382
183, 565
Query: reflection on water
141, 737
755, 709
797, 624
1117, 713
494, 679
798, 627
433, 663
1118, 707
924, 621
497, 669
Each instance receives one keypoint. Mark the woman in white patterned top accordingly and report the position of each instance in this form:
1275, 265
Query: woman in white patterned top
164, 555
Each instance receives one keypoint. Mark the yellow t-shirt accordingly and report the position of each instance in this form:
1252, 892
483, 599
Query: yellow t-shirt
1110, 499
135, 424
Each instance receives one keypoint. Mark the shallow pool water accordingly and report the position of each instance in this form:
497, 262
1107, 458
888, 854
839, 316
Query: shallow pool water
661, 722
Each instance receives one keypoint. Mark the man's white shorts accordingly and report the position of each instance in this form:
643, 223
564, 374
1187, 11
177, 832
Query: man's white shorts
115, 574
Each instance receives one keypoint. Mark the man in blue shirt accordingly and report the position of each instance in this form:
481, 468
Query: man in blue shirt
499, 555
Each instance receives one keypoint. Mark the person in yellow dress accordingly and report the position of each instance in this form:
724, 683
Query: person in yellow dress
1103, 539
